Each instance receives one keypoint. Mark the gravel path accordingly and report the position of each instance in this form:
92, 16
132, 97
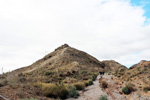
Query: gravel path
92, 92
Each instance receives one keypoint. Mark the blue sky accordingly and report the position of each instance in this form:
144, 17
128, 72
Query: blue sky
143, 3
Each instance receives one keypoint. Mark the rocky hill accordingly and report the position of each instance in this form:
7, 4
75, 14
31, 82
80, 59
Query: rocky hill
139, 73
112, 66
139, 76
135, 65
65, 65
64, 62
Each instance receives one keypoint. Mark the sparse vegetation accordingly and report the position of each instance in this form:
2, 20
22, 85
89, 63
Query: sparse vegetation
104, 84
72, 91
94, 76
79, 85
4, 82
146, 88
12, 83
20, 93
48, 73
103, 97
119, 72
55, 90
125, 90
128, 89
58, 90
88, 82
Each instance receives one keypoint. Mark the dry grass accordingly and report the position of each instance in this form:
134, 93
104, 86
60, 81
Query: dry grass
79, 85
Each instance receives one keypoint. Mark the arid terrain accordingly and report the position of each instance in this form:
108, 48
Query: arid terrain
71, 74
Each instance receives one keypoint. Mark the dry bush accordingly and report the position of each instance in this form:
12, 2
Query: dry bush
128, 88
79, 85
72, 91
104, 84
55, 90
146, 88
58, 90
88, 82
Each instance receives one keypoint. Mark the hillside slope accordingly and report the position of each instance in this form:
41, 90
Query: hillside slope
138, 74
112, 66
65, 61
63, 67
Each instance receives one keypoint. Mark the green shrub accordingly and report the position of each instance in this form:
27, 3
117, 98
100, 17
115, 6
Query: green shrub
94, 76
83, 71
125, 90
48, 73
72, 91
59, 90
88, 82
122, 70
55, 90
128, 89
13, 83
103, 97
104, 84
146, 88
79, 85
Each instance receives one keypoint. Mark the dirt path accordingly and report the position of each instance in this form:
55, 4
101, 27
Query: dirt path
92, 92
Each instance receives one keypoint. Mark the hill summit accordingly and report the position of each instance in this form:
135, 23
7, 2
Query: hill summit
64, 61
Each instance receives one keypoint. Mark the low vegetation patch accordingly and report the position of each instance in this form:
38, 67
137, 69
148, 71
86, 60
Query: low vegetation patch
58, 90
79, 85
103, 97
104, 84
49, 73
3, 83
128, 89
55, 90
20, 93
72, 91
146, 88
94, 76
88, 82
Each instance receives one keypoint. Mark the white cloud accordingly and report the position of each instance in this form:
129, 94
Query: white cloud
107, 29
